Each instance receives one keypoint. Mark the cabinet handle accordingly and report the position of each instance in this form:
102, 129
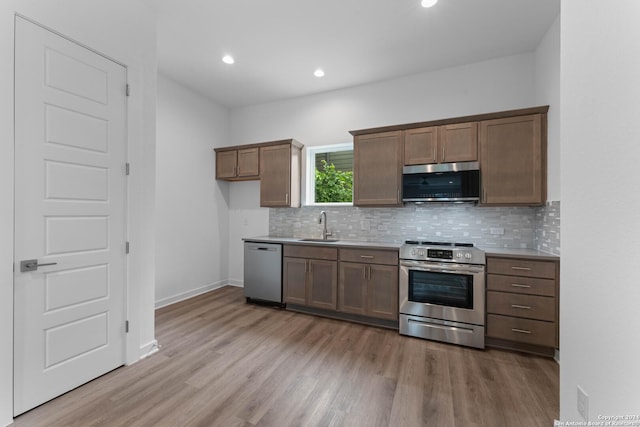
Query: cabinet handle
518, 285
520, 331
234, 171
443, 157
310, 267
525, 307
286, 198
366, 256
369, 272
521, 268
364, 272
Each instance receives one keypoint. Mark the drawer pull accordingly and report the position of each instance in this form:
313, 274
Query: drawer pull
520, 331
366, 256
518, 285
521, 268
526, 307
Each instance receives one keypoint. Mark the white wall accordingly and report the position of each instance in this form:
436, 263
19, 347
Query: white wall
125, 31
548, 93
600, 288
496, 85
191, 207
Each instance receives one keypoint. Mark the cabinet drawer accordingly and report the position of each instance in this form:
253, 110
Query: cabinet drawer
527, 331
315, 252
521, 285
528, 306
369, 256
522, 267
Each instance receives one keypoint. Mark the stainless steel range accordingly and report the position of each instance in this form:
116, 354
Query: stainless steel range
442, 292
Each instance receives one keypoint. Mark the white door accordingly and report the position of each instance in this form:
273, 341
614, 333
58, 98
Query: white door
70, 154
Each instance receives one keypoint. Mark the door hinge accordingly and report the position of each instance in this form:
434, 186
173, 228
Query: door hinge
127, 168
127, 90
126, 247
126, 326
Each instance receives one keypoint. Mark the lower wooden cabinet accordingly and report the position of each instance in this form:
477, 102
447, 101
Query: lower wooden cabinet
522, 304
322, 292
310, 281
364, 282
366, 288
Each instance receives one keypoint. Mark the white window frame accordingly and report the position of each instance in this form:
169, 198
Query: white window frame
311, 169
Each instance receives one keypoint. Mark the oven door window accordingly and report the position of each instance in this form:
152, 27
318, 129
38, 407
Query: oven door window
448, 289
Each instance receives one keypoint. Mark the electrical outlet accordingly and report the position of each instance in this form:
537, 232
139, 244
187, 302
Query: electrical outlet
583, 403
496, 230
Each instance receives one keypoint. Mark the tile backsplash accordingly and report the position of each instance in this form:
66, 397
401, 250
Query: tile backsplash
500, 227
547, 237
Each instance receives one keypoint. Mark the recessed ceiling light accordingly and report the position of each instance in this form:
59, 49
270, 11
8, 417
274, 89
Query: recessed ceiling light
428, 3
228, 59
318, 73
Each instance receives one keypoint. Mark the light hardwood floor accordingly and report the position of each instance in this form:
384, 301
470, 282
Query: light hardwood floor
226, 363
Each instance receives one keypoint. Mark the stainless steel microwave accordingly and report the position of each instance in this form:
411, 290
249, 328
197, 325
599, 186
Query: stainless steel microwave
441, 182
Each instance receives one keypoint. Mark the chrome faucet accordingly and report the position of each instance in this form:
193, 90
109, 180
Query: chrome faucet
325, 233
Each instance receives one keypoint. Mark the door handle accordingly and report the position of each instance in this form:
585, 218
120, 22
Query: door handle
32, 265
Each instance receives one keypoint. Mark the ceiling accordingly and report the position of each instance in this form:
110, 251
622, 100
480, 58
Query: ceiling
277, 44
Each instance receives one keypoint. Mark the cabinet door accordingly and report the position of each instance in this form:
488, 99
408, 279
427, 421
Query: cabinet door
377, 175
421, 146
226, 164
248, 162
352, 288
459, 142
294, 276
382, 292
275, 176
513, 160
323, 283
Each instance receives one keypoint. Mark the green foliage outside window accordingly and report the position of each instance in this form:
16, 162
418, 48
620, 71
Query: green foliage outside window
332, 185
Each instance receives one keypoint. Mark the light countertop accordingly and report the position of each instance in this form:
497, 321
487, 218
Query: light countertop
489, 251
340, 243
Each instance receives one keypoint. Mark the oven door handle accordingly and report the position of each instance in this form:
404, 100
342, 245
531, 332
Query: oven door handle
442, 268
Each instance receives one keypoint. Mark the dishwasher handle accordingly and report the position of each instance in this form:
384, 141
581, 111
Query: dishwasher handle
262, 248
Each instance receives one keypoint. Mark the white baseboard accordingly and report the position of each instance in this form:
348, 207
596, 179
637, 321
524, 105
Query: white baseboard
192, 293
236, 283
146, 350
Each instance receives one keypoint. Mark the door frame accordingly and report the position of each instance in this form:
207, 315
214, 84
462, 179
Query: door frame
131, 352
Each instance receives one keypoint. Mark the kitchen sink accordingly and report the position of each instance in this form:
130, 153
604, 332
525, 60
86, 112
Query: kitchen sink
318, 240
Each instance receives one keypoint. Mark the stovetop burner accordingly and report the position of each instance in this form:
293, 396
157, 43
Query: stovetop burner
428, 243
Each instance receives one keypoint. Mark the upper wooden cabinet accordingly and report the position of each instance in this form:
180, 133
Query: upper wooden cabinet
276, 164
226, 163
458, 142
238, 164
280, 175
421, 146
377, 169
513, 160
441, 144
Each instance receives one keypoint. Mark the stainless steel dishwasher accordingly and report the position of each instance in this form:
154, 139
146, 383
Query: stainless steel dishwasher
263, 272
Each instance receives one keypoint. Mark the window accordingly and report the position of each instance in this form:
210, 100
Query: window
330, 174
